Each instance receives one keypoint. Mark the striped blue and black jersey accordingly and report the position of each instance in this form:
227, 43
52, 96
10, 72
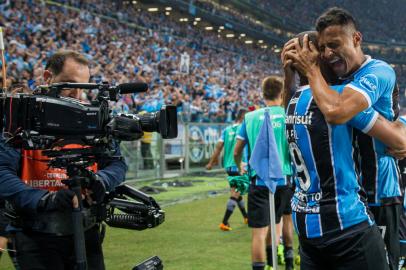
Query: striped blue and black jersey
376, 80
402, 169
327, 198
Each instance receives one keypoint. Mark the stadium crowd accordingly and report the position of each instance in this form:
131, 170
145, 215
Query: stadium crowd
305, 12
224, 74
123, 54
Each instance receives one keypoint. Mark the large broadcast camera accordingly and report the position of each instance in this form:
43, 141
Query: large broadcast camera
45, 118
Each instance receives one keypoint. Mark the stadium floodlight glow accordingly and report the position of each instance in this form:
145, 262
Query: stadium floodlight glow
134, 2
168, 8
195, 23
264, 47
277, 50
248, 42
242, 35
167, 13
219, 30
260, 41
198, 19
230, 35
183, 19
152, 9
221, 27
209, 28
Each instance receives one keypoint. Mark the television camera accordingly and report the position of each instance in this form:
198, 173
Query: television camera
45, 116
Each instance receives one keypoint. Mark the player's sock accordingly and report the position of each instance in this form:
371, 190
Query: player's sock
281, 259
269, 255
297, 257
258, 266
229, 210
288, 254
241, 206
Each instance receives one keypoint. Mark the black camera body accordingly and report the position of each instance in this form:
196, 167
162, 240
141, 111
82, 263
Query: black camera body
46, 115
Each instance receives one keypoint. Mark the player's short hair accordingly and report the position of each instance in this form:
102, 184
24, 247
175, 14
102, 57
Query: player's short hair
335, 16
240, 113
56, 62
312, 37
272, 87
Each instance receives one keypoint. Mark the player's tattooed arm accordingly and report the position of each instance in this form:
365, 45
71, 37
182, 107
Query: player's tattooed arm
289, 77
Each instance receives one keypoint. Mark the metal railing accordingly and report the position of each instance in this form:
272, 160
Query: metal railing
188, 153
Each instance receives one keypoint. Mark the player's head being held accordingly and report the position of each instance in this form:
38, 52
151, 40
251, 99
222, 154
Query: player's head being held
328, 74
339, 41
272, 88
67, 66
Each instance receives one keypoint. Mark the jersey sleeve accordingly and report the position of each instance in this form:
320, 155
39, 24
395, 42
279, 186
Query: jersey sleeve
242, 133
364, 120
373, 83
245, 154
403, 120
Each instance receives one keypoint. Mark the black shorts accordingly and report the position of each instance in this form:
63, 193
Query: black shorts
387, 219
258, 205
402, 234
232, 172
363, 250
288, 194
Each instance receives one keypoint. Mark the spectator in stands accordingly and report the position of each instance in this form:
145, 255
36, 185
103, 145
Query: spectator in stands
220, 68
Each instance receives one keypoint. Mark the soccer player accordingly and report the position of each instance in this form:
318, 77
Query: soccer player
258, 195
367, 82
335, 230
238, 183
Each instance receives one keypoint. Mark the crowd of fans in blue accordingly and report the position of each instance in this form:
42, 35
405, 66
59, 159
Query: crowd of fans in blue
224, 74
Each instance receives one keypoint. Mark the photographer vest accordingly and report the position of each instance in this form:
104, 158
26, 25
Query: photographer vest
36, 172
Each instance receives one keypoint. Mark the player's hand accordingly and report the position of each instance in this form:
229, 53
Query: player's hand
209, 166
289, 46
304, 59
242, 168
398, 154
60, 200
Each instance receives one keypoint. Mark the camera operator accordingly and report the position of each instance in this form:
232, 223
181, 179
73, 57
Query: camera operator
43, 204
